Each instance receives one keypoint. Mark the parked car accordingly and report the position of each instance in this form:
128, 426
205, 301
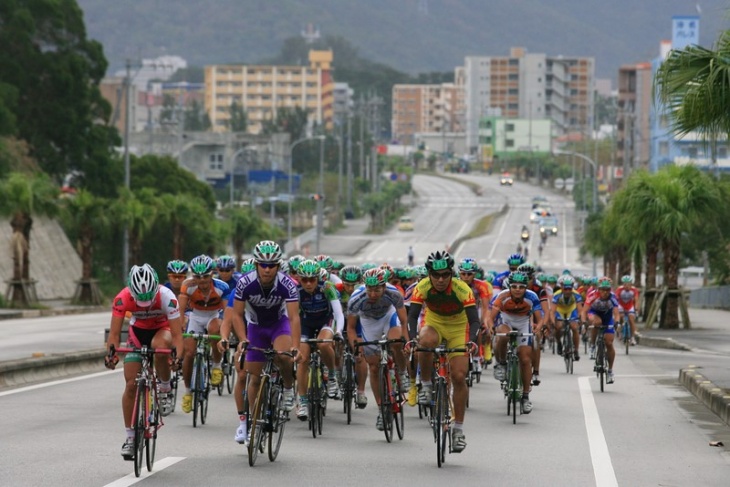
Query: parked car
405, 224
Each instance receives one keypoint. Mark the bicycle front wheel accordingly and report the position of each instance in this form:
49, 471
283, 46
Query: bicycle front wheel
627, 337
349, 388
151, 436
278, 418
386, 413
440, 422
196, 387
140, 420
600, 359
258, 421
400, 426
313, 394
205, 394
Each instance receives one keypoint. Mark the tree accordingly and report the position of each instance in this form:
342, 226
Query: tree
55, 72
195, 118
291, 120
238, 121
137, 211
246, 228
185, 214
24, 197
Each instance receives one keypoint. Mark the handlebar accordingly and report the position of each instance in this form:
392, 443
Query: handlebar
201, 336
382, 342
442, 350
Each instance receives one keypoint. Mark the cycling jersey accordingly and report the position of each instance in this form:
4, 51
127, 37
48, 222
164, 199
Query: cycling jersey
320, 306
199, 303
444, 308
482, 292
265, 308
627, 297
524, 307
499, 278
164, 308
361, 306
566, 305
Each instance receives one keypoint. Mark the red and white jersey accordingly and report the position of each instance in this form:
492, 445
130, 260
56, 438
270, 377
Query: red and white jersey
627, 297
163, 309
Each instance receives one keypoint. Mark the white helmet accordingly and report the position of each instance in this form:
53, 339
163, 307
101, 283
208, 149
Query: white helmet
143, 284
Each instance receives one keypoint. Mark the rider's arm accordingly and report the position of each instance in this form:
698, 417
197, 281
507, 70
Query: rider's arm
239, 328
352, 329
403, 318
413, 313
176, 332
472, 317
115, 331
292, 309
339, 317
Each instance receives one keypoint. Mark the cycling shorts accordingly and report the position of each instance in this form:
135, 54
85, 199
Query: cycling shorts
573, 316
199, 324
606, 320
370, 329
311, 329
265, 336
139, 337
520, 324
455, 335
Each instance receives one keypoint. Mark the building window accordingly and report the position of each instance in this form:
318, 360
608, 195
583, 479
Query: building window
509, 127
509, 143
513, 91
216, 162
513, 77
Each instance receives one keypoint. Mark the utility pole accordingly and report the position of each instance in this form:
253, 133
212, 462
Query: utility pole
349, 163
127, 171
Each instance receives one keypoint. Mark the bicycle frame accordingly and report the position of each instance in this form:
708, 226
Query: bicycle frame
200, 379
512, 387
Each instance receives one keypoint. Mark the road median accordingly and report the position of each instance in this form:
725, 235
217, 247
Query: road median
713, 397
14, 373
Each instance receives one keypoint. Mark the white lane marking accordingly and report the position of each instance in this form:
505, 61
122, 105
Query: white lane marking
498, 238
131, 479
600, 457
58, 382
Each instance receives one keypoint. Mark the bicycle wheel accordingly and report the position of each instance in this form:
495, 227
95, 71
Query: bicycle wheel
600, 352
258, 420
140, 420
195, 386
568, 350
230, 372
627, 336
278, 418
174, 379
386, 412
206, 393
440, 424
151, 436
515, 388
399, 401
313, 397
349, 388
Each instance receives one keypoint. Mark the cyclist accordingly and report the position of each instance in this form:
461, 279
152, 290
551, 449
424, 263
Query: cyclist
206, 296
513, 262
628, 298
337, 267
566, 306
544, 294
326, 262
270, 302
451, 316
374, 310
321, 317
602, 308
482, 293
351, 276
248, 265
516, 305
226, 268
294, 261
156, 323
177, 271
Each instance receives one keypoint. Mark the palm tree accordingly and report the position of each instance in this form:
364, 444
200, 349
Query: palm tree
23, 197
138, 212
185, 213
86, 215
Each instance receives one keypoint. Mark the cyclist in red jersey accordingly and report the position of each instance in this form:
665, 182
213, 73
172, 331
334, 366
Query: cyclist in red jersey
155, 322
628, 299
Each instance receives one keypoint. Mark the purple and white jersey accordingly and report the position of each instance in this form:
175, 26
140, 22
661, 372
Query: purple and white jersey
360, 306
266, 308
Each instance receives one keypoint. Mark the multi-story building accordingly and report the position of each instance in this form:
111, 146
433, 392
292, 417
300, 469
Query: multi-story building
426, 109
529, 86
261, 90
507, 137
633, 135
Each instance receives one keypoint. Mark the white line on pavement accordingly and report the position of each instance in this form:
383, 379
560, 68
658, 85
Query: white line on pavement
601, 459
498, 238
131, 479
58, 382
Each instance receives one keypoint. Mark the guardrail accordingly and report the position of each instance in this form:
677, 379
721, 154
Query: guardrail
717, 297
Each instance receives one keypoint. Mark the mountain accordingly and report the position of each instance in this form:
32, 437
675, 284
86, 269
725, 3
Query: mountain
409, 35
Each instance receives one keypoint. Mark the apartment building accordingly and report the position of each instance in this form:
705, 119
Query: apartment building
261, 90
424, 108
529, 86
633, 129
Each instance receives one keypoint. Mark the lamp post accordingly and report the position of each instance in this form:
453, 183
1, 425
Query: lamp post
291, 165
595, 183
320, 191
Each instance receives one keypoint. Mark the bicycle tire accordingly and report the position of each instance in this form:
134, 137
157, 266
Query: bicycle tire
313, 397
258, 421
278, 419
515, 388
627, 336
386, 413
195, 387
175, 378
206, 393
600, 360
399, 419
151, 436
140, 420
568, 349
349, 389
440, 421
230, 372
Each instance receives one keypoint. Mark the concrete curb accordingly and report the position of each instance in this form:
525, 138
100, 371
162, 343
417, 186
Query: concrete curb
661, 342
8, 314
713, 397
36, 369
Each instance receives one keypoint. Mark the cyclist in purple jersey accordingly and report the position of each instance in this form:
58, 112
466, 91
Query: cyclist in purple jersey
270, 301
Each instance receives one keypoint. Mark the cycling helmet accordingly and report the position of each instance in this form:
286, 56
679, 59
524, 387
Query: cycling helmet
267, 252
143, 284
225, 262
489, 276
421, 271
528, 269
439, 261
350, 274
367, 265
294, 261
248, 265
627, 280
515, 260
308, 268
566, 282
324, 261
324, 274
337, 265
283, 266
402, 273
389, 272
566, 272
551, 279
479, 274
604, 283
202, 264
518, 277
177, 267
374, 277
468, 265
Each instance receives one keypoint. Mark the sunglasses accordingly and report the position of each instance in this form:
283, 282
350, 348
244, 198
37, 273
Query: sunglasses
517, 286
202, 276
267, 265
466, 273
229, 269
308, 279
441, 275
177, 276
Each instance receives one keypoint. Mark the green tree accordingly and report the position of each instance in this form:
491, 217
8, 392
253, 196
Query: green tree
239, 120
290, 120
24, 197
195, 118
185, 214
137, 211
55, 71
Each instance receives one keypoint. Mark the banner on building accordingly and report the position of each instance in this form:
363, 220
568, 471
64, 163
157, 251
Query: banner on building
685, 31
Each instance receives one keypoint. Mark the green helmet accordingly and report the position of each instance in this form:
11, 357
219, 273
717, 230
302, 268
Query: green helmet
248, 265
367, 265
518, 277
294, 261
177, 267
604, 283
350, 274
552, 279
308, 268
337, 265
324, 261
374, 277
468, 265
202, 265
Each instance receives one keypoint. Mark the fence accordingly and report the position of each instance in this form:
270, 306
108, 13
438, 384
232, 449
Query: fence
717, 297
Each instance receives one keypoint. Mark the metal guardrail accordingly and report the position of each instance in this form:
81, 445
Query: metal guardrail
717, 297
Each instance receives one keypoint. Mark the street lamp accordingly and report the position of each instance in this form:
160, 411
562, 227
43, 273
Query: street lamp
595, 183
291, 164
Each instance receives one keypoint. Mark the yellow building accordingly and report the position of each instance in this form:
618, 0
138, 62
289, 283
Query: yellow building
260, 90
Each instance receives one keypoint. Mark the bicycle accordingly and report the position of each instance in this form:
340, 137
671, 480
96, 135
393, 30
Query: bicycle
200, 380
348, 385
625, 327
267, 418
512, 386
175, 378
600, 366
475, 364
441, 401
568, 352
228, 368
146, 414
316, 387
392, 394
